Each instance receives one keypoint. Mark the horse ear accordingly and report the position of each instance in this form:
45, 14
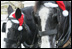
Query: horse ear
10, 9
18, 13
37, 5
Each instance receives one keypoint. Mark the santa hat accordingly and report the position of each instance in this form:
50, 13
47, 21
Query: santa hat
18, 21
21, 19
60, 4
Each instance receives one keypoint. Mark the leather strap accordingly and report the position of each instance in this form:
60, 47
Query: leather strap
50, 32
67, 43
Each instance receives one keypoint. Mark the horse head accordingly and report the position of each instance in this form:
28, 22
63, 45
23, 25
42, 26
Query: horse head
50, 18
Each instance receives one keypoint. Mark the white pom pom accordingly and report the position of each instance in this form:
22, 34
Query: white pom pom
20, 28
65, 13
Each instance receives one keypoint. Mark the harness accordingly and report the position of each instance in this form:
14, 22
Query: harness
63, 40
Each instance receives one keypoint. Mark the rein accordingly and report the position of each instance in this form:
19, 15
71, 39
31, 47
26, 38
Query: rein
63, 40
30, 46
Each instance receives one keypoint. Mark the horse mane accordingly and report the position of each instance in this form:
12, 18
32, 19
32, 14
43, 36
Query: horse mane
37, 5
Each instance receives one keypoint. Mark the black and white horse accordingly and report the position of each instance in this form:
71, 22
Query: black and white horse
27, 36
50, 22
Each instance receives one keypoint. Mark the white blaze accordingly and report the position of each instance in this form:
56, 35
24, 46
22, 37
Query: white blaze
44, 14
45, 42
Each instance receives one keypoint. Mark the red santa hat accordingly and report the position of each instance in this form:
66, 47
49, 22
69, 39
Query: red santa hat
60, 4
18, 21
21, 19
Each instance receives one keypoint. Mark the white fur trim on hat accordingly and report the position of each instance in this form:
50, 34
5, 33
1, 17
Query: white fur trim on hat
15, 21
65, 13
11, 14
20, 28
50, 4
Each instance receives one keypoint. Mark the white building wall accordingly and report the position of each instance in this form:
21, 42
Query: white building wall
28, 3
